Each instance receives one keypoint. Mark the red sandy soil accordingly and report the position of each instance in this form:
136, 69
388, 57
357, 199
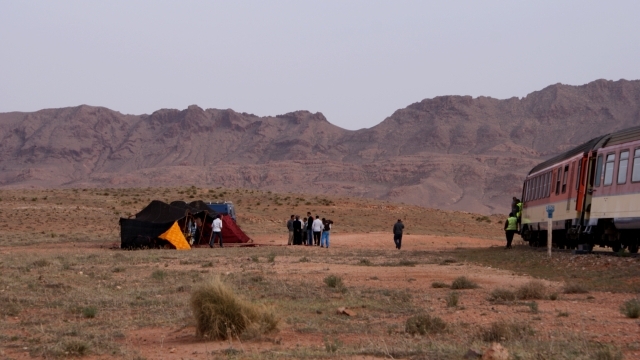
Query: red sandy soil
591, 315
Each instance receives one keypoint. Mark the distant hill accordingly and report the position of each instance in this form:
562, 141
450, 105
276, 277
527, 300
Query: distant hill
450, 152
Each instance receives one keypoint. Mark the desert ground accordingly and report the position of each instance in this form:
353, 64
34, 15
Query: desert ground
67, 290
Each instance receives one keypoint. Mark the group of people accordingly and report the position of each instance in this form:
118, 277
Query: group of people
309, 231
513, 223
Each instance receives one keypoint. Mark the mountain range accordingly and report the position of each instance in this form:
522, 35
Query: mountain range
449, 152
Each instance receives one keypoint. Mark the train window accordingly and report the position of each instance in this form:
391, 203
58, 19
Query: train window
608, 169
598, 170
564, 178
635, 173
558, 180
534, 195
622, 167
547, 181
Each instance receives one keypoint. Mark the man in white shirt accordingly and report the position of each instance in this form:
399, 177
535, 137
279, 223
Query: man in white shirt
216, 227
317, 230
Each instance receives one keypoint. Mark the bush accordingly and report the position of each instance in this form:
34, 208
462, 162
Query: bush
631, 308
303, 259
574, 289
533, 290
220, 313
365, 262
501, 331
159, 275
463, 283
424, 324
76, 348
502, 295
271, 257
89, 312
439, 285
41, 263
333, 281
452, 299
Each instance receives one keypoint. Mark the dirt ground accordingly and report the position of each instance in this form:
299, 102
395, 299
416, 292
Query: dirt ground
141, 298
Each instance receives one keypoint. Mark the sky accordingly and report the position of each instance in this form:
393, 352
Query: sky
354, 61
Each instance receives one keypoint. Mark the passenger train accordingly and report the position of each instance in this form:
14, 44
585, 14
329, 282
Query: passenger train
595, 189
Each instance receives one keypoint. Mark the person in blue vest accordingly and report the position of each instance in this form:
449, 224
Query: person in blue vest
510, 228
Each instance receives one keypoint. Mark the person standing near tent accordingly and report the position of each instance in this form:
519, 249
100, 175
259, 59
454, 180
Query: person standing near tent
290, 228
317, 227
324, 241
309, 229
216, 227
397, 233
297, 231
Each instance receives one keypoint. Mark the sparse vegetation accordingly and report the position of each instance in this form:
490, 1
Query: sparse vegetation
462, 282
89, 312
533, 290
500, 294
423, 324
333, 281
452, 299
439, 285
221, 314
631, 308
504, 331
574, 289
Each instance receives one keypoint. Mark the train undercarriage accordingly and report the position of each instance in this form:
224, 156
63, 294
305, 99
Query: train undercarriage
604, 234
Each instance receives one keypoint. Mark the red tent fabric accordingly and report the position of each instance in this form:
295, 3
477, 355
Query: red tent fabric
231, 232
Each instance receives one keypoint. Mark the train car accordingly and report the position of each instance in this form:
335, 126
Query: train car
595, 189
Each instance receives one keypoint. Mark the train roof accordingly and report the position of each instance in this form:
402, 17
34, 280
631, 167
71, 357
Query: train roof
623, 136
588, 146
616, 138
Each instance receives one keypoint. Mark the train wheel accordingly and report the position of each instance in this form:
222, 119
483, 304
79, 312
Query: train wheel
616, 246
633, 248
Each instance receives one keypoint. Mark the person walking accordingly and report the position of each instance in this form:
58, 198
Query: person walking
510, 228
519, 215
290, 228
398, 227
324, 240
216, 227
297, 231
309, 229
317, 227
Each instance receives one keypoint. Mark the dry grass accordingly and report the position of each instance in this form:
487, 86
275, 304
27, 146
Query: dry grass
463, 283
533, 290
221, 314
505, 331
424, 324
631, 308
574, 289
502, 295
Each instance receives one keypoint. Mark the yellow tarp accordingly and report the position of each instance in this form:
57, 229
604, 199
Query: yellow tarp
175, 237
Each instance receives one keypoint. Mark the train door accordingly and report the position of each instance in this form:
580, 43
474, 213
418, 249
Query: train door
590, 175
580, 183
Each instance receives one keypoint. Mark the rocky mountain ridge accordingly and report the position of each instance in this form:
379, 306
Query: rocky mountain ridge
449, 152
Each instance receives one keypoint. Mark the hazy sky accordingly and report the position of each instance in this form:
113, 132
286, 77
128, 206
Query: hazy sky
354, 61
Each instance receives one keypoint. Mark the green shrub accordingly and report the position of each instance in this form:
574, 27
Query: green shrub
502, 295
159, 275
424, 324
271, 257
553, 296
365, 262
504, 331
574, 289
89, 312
333, 281
533, 306
631, 308
452, 299
463, 283
439, 285
304, 259
533, 290
220, 313
76, 348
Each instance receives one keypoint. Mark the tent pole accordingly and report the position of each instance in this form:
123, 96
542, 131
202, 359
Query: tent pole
211, 235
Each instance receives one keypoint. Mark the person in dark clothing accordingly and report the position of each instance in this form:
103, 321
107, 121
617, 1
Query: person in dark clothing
514, 205
309, 229
397, 233
297, 231
510, 228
